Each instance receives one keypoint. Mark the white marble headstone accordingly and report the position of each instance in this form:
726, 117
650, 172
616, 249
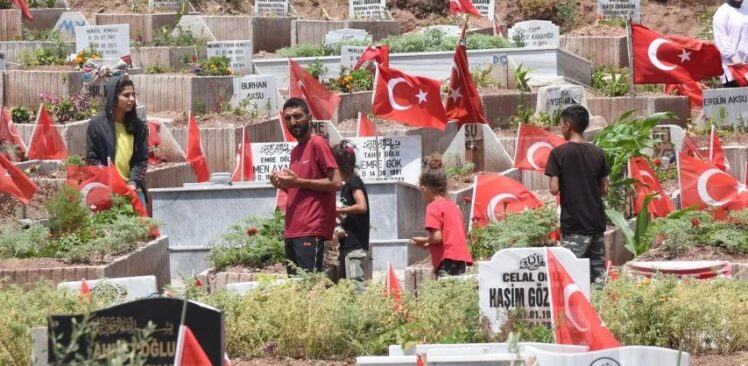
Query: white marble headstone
399, 158
129, 288
554, 98
349, 55
66, 24
261, 90
347, 34
239, 52
619, 9
278, 8
734, 102
165, 4
367, 9
113, 41
536, 33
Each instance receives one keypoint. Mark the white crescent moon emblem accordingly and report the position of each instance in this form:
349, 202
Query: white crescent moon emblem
390, 91
702, 185
569, 290
531, 152
652, 52
645, 173
456, 69
491, 210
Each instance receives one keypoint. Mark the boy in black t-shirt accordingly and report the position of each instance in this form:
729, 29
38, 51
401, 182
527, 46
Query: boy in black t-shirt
579, 172
354, 214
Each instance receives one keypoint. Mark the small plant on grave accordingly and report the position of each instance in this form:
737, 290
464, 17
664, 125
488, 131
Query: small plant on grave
20, 115
157, 68
254, 242
176, 37
533, 228
521, 78
566, 11
523, 114
302, 50
213, 66
519, 38
482, 77
78, 59
11, 151
247, 108
317, 69
40, 4
350, 81
612, 22
41, 35
48, 56
73, 160
77, 107
461, 169
611, 82
5, 4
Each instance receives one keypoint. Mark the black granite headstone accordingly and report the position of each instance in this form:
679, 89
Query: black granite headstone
120, 322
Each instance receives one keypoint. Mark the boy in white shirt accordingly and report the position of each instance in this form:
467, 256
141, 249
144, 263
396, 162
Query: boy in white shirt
730, 26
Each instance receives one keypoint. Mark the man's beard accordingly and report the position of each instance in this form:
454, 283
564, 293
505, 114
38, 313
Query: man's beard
300, 130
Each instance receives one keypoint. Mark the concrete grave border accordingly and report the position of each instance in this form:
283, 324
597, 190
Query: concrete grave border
141, 25
265, 33
46, 18
143, 57
313, 31
13, 49
182, 92
601, 50
10, 24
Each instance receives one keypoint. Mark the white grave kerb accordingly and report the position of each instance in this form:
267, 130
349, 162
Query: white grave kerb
367, 9
347, 34
518, 277
536, 33
260, 90
113, 41
67, 24
277, 8
239, 52
195, 25
622, 9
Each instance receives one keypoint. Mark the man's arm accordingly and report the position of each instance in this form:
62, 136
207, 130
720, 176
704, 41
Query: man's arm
357, 208
435, 237
603, 184
554, 187
332, 183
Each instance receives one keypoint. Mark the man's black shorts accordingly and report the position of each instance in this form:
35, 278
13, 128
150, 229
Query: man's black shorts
306, 252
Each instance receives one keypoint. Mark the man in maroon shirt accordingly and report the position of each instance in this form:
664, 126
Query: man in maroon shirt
311, 182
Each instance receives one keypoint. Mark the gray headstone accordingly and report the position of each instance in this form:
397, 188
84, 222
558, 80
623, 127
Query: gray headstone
518, 277
447, 30
341, 35
65, 26
554, 98
260, 90
129, 288
113, 41
165, 4
536, 33
278, 8
195, 25
619, 9
734, 102
399, 158
240, 53
349, 55
487, 8
367, 9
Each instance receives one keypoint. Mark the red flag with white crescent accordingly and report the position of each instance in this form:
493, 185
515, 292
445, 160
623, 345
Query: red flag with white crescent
322, 102
739, 74
9, 133
46, 142
690, 148
189, 352
496, 195
534, 145
244, 169
716, 153
195, 153
703, 185
412, 100
15, 182
575, 320
378, 54
464, 7
365, 127
647, 184
463, 101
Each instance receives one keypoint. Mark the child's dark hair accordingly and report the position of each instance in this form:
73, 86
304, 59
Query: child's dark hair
296, 102
577, 116
345, 155
433, 177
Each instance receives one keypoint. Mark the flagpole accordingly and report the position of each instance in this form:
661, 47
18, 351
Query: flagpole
243, 151
376, 145
629, 46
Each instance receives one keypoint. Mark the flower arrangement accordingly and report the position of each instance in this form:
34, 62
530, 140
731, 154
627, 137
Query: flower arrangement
79, 58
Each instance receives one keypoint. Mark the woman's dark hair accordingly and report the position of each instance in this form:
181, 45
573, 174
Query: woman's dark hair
345, 155
433, 177
131, 119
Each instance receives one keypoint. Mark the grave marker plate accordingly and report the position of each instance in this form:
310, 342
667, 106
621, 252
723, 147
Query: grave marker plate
341, 35
276, 8
195, 25
554, 98
536, 33
261, 91
113, 41
367, 9
65, 26
487, 8
240, 53
165, 4
733, 100
399, 158
619, 9
518, 277
2, 61
447, 30
349, 55
120, 322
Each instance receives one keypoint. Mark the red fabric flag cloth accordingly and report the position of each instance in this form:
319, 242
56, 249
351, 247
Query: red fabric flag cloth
704, 185
24, 9
226, 359
413, 100
13, 181
365, 127
244, 170
647, 184
46, 142
392, 287
690, 148
693, 91
85, 289
575, 320
421, 360
287, 136
739, 74
376, 54
189, 352
672, 59
195, 153
322, 102
716, 154
495, 195
9, 133
154, 141
463, 6
534, 145
463, 101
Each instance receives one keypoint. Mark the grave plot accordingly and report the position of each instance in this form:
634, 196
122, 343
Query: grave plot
10, 24
45, 13
143, 27
265, 33
185, 92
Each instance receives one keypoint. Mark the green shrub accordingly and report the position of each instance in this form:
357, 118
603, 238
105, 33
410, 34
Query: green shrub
65, 210
6, 4
518, 230
20, 115
157, 68
19, 243
610, 82
213, 66
692, 315
302, 50
164, 37
254, 242
677, 235
47, 56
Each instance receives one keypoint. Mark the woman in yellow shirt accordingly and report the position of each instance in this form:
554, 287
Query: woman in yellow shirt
117, 135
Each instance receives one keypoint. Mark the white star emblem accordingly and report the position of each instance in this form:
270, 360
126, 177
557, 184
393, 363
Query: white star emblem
301, 85
685, 56
742, 188
455, 94
421, 96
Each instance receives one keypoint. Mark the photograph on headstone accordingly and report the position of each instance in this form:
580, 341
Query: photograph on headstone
256, 92
367, 9
275, 8
67, 23
621, 9
536, 33
112, 41
238, 52
725, 106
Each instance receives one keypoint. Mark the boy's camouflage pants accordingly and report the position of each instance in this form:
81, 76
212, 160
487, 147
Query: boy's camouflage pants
588, 246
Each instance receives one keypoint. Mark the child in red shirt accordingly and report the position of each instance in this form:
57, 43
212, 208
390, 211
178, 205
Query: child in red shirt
444, 222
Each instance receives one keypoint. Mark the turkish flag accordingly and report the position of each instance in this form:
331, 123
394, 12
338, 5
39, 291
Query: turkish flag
9, 133
195, 153
693, 91
15, 182
462, 6
24, 9
244, 169
392, 287
287, 136
364, 127
46, 142
704, 185
739, 74
690, 148
647, 184
496, 195
154, 141
575, 320
716, 154
376, 54
463, 102
672, 59
322, 102
85, 288
412, 100
534, 145
189, 352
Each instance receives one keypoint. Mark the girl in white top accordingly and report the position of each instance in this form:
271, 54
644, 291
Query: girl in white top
730, 25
